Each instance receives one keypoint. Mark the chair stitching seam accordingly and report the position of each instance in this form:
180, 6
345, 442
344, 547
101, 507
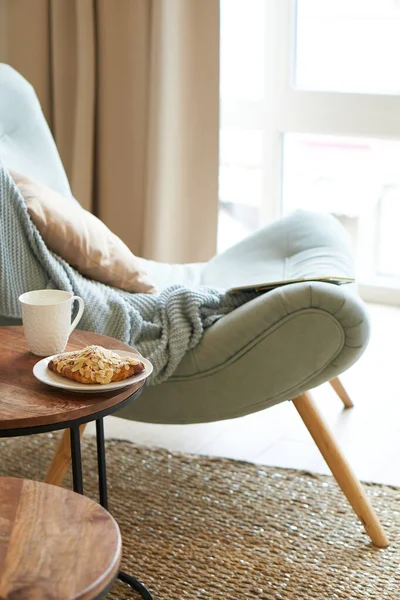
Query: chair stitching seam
340, 307
245, 349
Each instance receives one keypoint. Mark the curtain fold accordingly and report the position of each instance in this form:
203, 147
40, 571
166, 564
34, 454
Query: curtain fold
130, 89
73, 84
182, 157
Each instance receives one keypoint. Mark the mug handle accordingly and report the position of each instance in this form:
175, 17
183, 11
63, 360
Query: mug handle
79, 315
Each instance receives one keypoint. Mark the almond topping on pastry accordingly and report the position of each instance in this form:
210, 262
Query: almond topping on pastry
95, 364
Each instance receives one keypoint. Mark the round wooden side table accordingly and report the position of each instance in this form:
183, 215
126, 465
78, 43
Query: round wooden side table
55, 543
28, 406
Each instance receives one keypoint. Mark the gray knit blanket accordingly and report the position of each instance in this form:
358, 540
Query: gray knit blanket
163, 326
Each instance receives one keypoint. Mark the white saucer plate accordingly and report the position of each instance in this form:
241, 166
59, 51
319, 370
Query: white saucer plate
45, 375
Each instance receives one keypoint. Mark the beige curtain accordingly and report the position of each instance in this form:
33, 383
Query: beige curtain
130, 89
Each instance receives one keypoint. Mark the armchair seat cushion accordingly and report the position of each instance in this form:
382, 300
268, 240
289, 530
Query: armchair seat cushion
165, 274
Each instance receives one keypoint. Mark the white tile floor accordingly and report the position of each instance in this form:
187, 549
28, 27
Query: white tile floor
369, 433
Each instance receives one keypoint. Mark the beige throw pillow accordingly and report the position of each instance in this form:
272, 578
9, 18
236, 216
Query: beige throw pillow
81, 239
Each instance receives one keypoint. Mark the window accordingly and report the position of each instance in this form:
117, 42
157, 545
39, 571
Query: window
241, 189
348, 46
310, 105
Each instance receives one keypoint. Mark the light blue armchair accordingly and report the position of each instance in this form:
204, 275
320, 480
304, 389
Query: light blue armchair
274, 348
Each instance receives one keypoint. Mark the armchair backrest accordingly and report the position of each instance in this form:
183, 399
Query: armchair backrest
26, 143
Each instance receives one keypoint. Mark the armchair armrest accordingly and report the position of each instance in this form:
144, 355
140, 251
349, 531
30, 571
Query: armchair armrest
327, 322
271, 349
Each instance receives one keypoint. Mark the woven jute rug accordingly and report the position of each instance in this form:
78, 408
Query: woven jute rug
200, 527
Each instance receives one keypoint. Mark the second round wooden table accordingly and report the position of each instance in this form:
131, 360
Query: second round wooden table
28, 406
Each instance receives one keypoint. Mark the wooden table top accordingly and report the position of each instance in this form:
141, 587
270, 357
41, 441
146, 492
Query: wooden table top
54, 543
25, 402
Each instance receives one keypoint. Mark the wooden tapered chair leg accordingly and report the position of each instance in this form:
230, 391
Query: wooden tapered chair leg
61, 460
341, 470
341, 392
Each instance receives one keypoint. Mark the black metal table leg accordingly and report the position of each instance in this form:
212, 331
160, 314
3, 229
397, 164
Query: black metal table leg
102, 472
101, 463
135, 584
76, 459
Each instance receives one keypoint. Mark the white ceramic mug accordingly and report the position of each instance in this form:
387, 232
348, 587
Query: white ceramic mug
46, 316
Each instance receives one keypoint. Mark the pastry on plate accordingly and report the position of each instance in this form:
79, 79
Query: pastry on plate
94, 365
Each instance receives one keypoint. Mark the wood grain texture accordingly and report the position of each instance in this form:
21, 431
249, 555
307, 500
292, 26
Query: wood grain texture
26, 402
54, 544
341, 392
341, 470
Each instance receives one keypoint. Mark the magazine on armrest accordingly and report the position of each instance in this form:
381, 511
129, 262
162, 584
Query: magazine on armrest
270, 285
